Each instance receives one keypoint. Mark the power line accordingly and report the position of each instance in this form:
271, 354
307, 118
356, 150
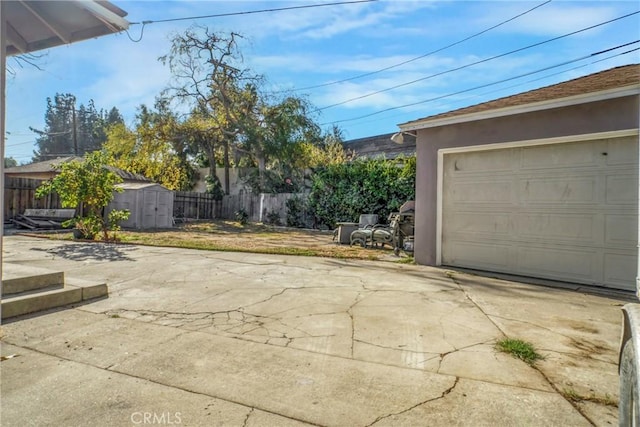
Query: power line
487, 84
249, 12
477, 62
519, 84
220, 15
20, 143
421, 56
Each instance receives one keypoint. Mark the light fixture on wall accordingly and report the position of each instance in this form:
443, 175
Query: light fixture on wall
398, 137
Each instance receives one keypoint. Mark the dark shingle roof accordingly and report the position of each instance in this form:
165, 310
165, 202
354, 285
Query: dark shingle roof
613, 78
381, 145
51, 165
40, 167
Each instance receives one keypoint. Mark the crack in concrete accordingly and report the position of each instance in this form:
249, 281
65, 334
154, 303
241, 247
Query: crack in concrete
531, 324
451, 275
246, 419
353, 325
571, 402
402, 291
442, 396
392, 348
172, 386
583, 355
455, 350
586, 348
234, 322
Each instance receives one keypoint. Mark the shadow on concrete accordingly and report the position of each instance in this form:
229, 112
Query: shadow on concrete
91, 251
477, 278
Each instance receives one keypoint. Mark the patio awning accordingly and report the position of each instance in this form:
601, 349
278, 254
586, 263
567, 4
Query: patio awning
37, 25
27, 26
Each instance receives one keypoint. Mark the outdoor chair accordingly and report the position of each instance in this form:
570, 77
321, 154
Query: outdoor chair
343, 233
372, 234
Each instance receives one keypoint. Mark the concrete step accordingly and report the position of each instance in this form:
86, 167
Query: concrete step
36, 289
30, 303
17, 278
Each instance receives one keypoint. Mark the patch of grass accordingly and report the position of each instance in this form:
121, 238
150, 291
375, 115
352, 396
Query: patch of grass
519, 349
571, 394
406, 260
115, 316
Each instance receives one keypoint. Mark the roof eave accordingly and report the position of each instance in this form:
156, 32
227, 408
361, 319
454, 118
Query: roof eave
619, 92
106, 18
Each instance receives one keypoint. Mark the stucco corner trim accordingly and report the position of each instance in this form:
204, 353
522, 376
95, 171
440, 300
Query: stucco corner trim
439, 192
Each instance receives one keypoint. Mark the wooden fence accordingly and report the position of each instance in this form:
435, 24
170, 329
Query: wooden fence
259, 207
19, 194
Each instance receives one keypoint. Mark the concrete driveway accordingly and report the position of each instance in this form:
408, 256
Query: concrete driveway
210, 338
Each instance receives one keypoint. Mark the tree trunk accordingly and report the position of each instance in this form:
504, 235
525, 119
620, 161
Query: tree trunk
226, 166
262, 166
211, 156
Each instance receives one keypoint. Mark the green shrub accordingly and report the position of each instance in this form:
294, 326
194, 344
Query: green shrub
86, 185
273, 218
342, 192
296, 208
214, 187
114, 219
242, 216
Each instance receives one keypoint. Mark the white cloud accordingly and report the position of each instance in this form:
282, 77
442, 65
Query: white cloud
552, 19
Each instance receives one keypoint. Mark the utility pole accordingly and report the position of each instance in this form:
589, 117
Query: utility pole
75, 136
74, 131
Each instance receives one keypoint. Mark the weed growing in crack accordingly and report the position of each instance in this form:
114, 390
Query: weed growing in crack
572, 395
519, 349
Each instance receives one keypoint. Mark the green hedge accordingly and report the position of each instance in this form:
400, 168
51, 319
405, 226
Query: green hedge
343, 192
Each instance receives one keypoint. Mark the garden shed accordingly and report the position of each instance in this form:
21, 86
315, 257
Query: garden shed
150, 204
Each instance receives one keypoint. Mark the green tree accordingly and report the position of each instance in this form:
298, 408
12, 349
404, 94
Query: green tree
149, 149
56, 140
329, 151
205, 141
207, 72
72, 129
86, 185
10, 162
274, 139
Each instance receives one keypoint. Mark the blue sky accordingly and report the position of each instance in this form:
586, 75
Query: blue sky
309, 47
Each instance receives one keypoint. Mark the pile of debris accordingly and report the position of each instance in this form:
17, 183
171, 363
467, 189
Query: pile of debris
43, 219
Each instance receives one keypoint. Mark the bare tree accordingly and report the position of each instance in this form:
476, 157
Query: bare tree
25, 60
207, 75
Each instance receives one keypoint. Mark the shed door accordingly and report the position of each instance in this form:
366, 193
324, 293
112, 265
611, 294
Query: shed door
164, 213
149, 198
561, 211
158, 208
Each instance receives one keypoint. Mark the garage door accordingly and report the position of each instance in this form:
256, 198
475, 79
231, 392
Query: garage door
560, 211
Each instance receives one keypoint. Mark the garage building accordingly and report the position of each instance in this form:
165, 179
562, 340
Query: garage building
539, 184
